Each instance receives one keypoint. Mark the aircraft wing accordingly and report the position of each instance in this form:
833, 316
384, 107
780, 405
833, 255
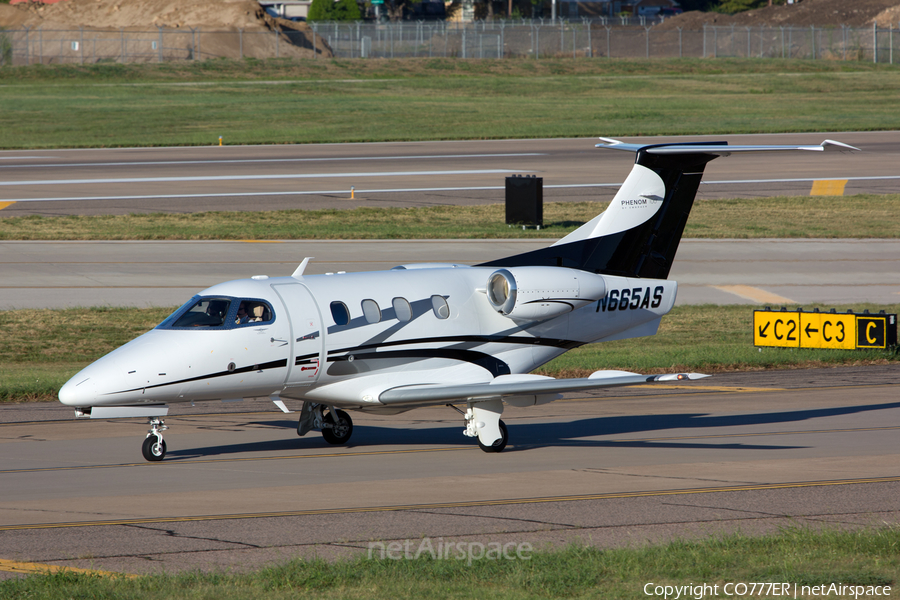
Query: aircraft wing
521, 385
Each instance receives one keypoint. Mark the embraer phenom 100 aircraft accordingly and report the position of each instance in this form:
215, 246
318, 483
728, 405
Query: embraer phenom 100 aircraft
421, 334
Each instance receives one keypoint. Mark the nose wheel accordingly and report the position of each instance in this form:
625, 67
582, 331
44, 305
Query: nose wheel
154, 446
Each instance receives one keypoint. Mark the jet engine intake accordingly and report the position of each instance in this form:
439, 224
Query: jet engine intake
536, 293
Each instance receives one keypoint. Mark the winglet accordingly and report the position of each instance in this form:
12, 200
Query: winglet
833, 146
298, 273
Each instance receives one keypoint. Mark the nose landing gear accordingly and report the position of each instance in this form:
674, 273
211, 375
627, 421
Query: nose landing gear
154, 446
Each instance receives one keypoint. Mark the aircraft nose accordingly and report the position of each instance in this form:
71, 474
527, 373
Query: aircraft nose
69, 394
76, 391
86, 387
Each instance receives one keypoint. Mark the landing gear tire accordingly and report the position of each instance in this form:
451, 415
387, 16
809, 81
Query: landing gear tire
153, 448
500, 444
338, 433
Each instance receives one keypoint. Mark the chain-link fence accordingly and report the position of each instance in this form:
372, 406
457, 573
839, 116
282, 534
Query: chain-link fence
481, 39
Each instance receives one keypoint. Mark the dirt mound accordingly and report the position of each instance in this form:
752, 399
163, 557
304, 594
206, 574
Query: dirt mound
858, 13
221, 14
146, 15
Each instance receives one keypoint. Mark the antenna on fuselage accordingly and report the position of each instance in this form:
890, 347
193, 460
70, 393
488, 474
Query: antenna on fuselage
298, 273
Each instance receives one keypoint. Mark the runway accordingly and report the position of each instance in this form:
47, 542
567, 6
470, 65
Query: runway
747, 452
179, 180
141, 274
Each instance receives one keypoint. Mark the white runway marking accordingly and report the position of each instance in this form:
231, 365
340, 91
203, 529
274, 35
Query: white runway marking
255, 177
360, 191
251, 161
344, 191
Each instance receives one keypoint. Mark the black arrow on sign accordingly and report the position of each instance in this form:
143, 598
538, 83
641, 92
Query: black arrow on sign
762, 330
807, 330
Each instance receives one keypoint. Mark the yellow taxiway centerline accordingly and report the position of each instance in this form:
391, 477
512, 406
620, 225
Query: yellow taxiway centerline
188, 461
465, 504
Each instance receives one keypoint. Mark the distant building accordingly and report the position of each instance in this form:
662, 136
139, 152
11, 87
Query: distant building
612, 8
295, 10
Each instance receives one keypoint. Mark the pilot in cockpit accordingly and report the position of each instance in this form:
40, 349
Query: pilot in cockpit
217, 310
242, 315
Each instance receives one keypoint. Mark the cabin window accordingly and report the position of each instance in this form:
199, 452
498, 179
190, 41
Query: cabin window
402, 309
340, 313
440, 307
206, 312
371, 311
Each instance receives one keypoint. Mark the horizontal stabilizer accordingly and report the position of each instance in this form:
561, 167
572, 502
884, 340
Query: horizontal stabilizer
721, 149
519, 385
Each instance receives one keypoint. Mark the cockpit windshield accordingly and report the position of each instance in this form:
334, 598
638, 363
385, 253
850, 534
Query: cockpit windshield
206, 312
219, 313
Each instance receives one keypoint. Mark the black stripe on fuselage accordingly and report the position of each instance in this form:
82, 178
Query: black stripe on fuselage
493, 365
275, 364
467, 339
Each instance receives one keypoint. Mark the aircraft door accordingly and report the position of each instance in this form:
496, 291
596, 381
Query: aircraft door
307, 340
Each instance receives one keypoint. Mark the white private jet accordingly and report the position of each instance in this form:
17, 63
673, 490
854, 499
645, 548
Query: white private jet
421, 334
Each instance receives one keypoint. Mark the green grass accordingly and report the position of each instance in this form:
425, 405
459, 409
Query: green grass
428, 99
709, 339
797, 555
41, 349
860, 216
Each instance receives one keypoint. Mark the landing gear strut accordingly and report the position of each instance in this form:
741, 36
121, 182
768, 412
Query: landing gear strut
483, 422
336, 425
154, 446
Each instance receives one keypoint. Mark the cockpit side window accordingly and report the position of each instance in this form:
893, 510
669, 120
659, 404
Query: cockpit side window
206, 312
253, 312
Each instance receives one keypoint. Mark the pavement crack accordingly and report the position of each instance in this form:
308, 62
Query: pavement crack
738, 510
174, 534
498, 518
611, 472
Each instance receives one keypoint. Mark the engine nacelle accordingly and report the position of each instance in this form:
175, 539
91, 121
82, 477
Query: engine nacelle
537, 293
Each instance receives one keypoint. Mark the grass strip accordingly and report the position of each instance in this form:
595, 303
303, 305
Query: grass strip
41, 349
859, 216
798, 556
251, 69
423, 99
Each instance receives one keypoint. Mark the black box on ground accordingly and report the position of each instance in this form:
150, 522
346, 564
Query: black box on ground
525, 200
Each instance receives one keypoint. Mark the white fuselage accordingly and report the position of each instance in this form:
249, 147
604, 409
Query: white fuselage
408, 326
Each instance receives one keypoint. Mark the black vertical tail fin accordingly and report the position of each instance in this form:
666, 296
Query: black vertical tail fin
639, 232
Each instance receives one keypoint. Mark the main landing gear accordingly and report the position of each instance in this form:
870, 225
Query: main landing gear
483, 422
336, 425
154, 446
